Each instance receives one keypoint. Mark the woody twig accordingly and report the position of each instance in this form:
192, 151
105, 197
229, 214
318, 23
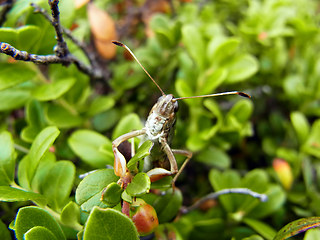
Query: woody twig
62, 54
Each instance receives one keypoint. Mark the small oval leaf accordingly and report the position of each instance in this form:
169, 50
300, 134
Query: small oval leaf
111, 195
140, 185
88, 193
116, 226
29, 217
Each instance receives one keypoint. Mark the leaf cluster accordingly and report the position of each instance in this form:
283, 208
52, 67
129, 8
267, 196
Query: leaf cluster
57, 124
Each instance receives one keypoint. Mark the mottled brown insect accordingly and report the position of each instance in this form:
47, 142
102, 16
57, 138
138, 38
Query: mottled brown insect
159, 128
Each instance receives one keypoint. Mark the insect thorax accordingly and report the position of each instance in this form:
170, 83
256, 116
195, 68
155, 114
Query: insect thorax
155, 126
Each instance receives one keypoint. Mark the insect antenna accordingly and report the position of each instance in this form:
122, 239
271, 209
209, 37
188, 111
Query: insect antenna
135, 58
242, 94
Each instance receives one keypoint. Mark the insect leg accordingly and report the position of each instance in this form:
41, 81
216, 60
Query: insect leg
120, 164
186, 153
158, 173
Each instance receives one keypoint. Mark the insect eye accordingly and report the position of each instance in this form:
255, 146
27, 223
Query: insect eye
176, 106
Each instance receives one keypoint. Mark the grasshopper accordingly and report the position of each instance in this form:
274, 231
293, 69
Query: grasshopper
159, 128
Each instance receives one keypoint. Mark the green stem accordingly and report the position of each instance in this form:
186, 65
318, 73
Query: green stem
21, 148
67, 106
56, 216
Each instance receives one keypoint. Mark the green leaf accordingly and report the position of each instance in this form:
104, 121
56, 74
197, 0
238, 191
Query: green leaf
39, 233
253, 237
214, 157
54, 90
100, 104
312, 144
161, 26
47, 162
227, 179
242, 111
36, 121
70, 215
23, 38
111, 195
10, 194
89, 191
86, 145
58, 184
116, 226
308, 173
128, 123
27, 36
221, 49
183, 89
296, 227
7, 158
18, 10
23, 171
210, 80
61, 117
67, 12
301, 126
209, 226
241, 67
167, 206
312, 234
143, 151
162, 184
139, 186
13, 98
4, 232
126, 197
276, 199
8, 35
192, 39
38, 148
106, 120
215, 110
29, 217
255, 180
11, 74
260, 227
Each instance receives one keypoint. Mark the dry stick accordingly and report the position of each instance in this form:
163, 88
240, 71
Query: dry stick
46, 59
62, 55
215, 195
67, 32
62, 48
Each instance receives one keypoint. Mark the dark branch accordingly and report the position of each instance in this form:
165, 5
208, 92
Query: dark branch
62, 48
47, 59
62, 54
6, 8
67, 32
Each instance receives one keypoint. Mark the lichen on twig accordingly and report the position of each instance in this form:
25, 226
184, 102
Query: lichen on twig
215, 195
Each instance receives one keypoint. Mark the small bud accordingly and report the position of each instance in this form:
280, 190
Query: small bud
284, 172
262, 36
120, 163
145, 217
52, 149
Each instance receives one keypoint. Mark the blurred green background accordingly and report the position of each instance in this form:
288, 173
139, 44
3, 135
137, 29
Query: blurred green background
269, 143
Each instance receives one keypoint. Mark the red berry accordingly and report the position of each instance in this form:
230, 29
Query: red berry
145, 217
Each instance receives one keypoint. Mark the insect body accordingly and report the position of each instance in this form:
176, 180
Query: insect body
159, 128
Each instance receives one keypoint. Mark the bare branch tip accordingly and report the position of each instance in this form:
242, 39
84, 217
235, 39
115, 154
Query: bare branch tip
242, 94
118, 43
